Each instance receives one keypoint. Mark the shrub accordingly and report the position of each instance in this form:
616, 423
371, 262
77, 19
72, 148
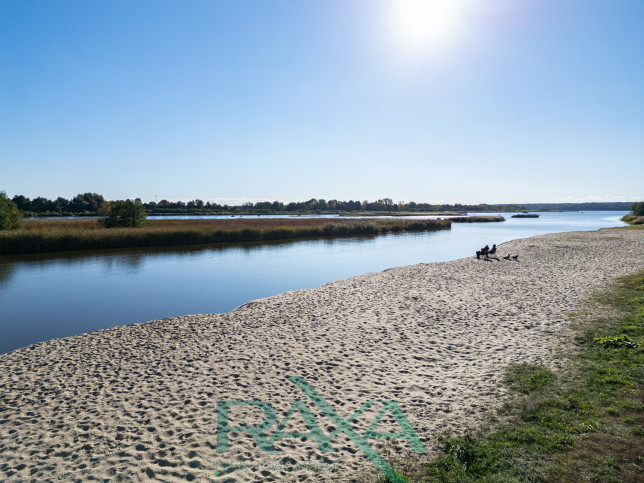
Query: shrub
121, 213
638, 209
10, 216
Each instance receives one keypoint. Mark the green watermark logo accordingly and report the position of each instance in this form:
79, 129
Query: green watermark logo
266, 441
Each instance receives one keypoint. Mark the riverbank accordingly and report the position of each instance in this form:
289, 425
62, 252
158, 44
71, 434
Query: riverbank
140, 401
39, 236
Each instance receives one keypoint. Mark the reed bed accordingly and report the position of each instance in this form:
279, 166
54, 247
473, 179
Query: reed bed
38, 236
477, 219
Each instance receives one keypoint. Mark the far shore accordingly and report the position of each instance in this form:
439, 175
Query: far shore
141, 401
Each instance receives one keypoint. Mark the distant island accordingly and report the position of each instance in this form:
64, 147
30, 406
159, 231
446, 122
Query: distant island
89, 204
526, 215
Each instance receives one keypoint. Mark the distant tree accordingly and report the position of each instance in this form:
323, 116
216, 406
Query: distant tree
10, 216
86, 202
61, 204
121, 213
42, 204
23, 203
638, 208
262, 206
277, 206
354, 205
311, 204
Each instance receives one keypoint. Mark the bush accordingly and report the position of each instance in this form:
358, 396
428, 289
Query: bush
638, 209
121, 213
10, 216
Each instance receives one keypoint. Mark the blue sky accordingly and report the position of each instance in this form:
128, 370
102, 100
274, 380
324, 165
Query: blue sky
473, 101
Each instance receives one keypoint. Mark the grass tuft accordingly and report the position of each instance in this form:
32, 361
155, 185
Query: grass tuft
526, 378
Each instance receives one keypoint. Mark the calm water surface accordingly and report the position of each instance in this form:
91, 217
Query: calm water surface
49, 296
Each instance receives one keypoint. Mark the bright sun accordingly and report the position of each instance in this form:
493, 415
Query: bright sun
418, 27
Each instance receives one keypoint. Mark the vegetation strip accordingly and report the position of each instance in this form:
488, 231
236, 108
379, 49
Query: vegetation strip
584, 423
90, 204
37, 236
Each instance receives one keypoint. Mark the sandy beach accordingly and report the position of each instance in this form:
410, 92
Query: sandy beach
139, 402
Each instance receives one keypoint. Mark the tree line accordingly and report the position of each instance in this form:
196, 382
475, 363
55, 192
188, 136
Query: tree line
82, 204
121, 213
91, 204
385, 205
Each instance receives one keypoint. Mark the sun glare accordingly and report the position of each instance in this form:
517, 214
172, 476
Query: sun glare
419, 27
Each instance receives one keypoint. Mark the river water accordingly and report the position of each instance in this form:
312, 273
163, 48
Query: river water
48, 296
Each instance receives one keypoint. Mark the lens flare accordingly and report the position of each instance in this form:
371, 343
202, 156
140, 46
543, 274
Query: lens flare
418, 27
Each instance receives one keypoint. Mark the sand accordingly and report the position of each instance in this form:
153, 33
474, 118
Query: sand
139, 402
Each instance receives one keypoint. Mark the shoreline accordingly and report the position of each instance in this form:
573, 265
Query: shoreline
140, 400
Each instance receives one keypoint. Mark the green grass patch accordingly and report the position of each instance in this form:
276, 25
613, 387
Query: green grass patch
526, 378
583, 423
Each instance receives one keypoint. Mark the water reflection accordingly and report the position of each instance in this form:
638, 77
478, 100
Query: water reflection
6, 271
134, 258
